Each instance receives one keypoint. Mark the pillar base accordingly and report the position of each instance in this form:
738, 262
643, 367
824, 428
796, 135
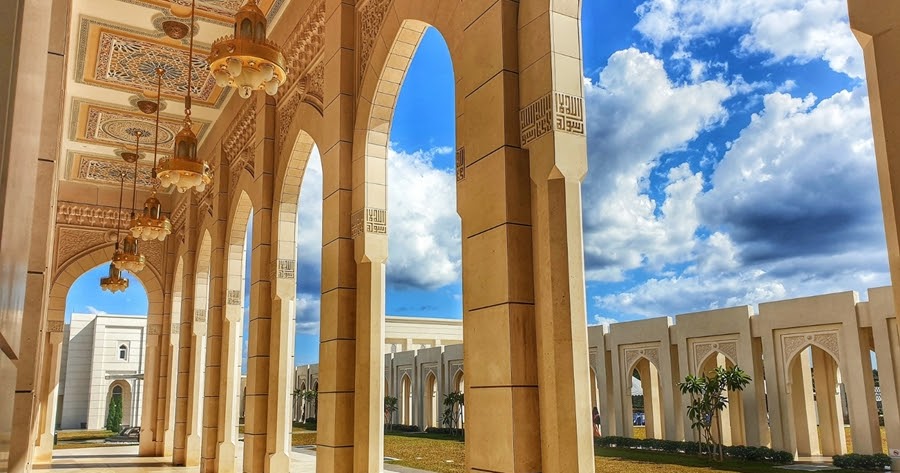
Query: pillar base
278, 462
227, 458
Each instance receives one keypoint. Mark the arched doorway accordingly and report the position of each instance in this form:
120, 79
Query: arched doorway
646, 401
731, 419
406, 400
817, 413
430, 401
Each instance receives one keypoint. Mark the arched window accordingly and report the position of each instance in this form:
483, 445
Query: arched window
123, 352
117, 391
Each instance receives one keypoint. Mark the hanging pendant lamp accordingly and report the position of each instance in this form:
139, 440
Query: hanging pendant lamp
152, 224
247, 60
183, 169
132, 260
114, 282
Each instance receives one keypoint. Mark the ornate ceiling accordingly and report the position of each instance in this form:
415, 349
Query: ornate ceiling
115, 47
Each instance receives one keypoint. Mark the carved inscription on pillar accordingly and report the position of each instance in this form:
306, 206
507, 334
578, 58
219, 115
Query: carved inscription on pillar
176, 328
368, 220
554, 111
285, 268
55, 326
569, 113
460, 164
234, 297
199, 315
154, 329
536, 119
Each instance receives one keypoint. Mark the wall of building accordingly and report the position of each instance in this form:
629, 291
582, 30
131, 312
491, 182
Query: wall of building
93, 366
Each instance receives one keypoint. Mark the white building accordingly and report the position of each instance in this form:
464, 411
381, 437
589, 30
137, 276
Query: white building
102, 357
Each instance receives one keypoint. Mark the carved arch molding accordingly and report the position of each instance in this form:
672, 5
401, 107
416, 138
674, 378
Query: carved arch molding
83, 228
794, 343
632, 355
702, 350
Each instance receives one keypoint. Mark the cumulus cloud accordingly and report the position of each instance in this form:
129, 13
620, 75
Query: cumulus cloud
792, 210
636, 114
799, 30
424, 245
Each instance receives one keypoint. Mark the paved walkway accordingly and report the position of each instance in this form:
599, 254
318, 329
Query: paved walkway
125, 460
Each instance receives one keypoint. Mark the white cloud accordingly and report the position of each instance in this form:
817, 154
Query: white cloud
95, 311
308, 313
793, 208
601, 320
801, 30
635, 115
424, 242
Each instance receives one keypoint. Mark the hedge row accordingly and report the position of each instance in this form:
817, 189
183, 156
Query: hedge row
401, 428
738, 452
443, 431
856, 461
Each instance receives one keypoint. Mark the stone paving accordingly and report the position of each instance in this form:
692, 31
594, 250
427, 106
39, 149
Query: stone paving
124, 459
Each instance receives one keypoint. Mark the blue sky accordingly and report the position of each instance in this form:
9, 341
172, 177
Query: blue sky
730, 162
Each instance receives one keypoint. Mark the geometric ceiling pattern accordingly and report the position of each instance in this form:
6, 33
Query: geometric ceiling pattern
115, 50
118, 126
215, 10
106, 171
127, 60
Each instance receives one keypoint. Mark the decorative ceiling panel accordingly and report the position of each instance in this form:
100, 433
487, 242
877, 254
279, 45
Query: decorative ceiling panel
113, 126
126, 59
217, 10
106, 170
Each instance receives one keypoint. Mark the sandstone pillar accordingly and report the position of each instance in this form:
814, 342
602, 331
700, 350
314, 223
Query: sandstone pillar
887, 348
165, 412
828, 404
150, 386
876, 25
552, 122
215, 368
371, 253
494, 203
186, 450
859, 384
806, 437
52, 358
279, 311
337, 349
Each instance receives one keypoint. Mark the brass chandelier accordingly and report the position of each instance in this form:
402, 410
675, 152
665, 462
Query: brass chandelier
152, 224
247, 60
114, 282
131, 258
183, 169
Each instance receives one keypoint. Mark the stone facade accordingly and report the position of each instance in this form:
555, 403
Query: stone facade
521, 155
101, 353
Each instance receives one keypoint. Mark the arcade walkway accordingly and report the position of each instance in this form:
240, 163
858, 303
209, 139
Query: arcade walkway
126, 460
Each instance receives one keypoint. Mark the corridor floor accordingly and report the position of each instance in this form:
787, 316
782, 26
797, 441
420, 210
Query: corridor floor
125, 460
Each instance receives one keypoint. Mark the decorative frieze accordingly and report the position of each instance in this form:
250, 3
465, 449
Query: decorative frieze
633, 354
86, 215
55, 326
304, 43
703, 349
554, 111
460, 164
371, 17
794, 343
368, 220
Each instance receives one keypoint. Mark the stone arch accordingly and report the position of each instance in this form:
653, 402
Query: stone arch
406, 399
715, 353
458, 381
75, 267
816, 416
430, 401
123, 388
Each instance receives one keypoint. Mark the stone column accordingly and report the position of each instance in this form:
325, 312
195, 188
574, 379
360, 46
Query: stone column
52, 358
805, 439
150, 387
280, 313
886, 340
876, 25
216, 370
494, 203
371, 254
165, 412
337, 349
552, 126
186, 449
828, 404
856, 372
260, 418
231, 362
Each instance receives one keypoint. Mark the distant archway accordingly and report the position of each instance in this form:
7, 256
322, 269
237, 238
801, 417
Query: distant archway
430, 401
814, 393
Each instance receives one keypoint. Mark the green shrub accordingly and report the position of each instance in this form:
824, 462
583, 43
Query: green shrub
739, 452
856, 461
443, 431
401, 428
